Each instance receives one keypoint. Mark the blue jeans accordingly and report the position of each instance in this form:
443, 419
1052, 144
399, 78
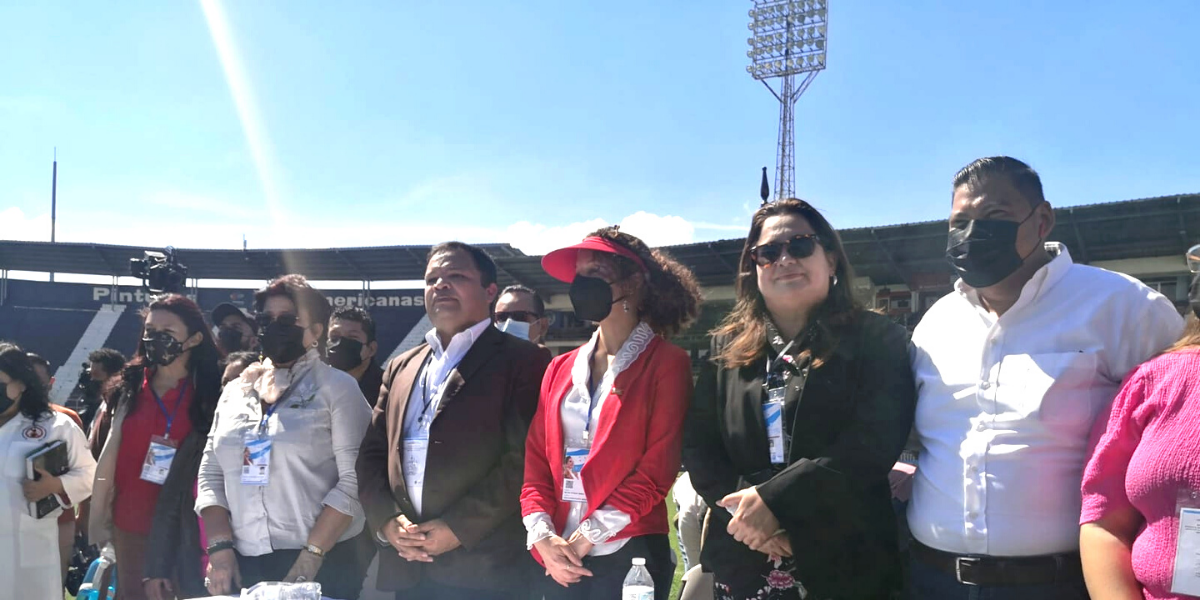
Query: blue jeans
928, 583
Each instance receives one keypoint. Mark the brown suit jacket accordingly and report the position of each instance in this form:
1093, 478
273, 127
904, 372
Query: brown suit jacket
474, 469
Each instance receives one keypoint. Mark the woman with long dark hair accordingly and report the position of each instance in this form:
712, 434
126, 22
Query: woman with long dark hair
277, 490
798, 417
166, 393
603, 448
29, 550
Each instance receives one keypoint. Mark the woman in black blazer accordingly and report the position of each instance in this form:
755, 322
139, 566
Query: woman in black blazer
799, 415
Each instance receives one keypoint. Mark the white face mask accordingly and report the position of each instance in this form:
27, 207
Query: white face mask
517, 328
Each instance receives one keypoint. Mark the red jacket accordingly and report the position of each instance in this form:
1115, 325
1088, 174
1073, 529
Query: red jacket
632, 466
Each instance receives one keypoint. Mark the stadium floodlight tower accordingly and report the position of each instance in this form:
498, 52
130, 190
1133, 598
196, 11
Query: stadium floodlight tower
787, 41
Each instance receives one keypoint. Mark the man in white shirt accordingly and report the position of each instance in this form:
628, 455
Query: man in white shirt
1012, 370
441, 466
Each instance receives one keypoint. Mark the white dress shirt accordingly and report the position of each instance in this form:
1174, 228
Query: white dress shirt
315, 433
427, 395
580, 412
1006, 404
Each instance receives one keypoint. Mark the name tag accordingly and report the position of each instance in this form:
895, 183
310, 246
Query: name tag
572, 475
773, 417
158, 460
415, 452
1186, 579
256, 460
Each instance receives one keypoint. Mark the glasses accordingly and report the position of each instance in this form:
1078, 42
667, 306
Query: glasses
1193, 259
799, 248
286, 319
517, 315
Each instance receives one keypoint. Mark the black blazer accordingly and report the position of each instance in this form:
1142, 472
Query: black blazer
833, 496
173, 550
474, 469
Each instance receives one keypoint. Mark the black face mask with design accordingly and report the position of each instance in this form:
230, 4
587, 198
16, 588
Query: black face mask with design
281, 339
344, 354
160, 348
984, 251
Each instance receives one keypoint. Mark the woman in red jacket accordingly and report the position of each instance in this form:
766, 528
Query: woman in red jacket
604, 447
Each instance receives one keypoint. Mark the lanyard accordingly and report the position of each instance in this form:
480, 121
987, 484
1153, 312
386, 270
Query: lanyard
163, 407
262, 425
425, 399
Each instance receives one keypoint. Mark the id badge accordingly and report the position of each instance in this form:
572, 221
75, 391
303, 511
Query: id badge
572, 475
158, 460
1186, 577
773, 417
256, 460
415, 452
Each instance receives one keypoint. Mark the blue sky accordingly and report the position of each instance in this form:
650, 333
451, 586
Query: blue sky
368, 123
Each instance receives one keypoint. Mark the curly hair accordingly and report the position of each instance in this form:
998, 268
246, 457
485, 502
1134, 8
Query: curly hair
743, 333
670, 299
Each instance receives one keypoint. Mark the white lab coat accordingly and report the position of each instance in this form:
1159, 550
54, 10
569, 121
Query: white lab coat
29, 556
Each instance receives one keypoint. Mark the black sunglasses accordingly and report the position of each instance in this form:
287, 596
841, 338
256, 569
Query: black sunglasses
263, 319
799, 248
517, 315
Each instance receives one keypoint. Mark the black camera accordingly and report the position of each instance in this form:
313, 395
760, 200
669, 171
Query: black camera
160, 272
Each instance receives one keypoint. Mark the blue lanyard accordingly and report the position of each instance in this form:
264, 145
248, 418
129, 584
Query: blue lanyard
284, 397
262, 425
163, 407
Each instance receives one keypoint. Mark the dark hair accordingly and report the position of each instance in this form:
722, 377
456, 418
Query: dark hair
203, 364
670, 297
110, 359
745, 327
243, 356
1022, 176
483, 262
358, 315
307, 298
38, 361
539, 306
35, 400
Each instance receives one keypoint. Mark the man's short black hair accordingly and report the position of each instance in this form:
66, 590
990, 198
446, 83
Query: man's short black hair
539, 306
241, 356
358, 315
112, 360
483, 262
1020, 175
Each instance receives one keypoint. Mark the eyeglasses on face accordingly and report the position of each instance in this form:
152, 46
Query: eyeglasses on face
516, 315
799, 248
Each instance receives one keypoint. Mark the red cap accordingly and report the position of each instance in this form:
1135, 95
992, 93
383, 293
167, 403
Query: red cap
560, 264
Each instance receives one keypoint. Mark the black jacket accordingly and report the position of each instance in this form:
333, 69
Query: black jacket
833, 496
371, 381
173, 550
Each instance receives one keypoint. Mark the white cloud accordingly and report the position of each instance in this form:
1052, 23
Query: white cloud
14, 225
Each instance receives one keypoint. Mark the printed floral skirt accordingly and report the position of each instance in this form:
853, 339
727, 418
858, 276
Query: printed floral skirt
775, 581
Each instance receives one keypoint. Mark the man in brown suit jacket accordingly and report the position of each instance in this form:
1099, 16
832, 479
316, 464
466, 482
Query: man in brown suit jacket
442, 464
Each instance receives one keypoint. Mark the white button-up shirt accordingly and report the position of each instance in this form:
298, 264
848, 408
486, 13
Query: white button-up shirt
427, 390
1005, 404
315, 433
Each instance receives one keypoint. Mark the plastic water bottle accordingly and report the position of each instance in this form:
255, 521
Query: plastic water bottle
638, 584
100, 567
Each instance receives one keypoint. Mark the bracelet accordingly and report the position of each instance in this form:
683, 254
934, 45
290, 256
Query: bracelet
314, 550
218, 546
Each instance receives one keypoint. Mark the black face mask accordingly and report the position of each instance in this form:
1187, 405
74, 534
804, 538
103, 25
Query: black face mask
5, 402
160, 349
230, 339
344, 354
591, 298
984, 252
282, 340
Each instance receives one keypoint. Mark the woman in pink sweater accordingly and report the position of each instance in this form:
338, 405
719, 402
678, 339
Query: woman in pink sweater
1147, 451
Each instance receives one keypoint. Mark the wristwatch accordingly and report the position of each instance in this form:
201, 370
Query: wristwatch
314, 550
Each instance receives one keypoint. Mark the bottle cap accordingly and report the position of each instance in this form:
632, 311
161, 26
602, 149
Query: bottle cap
639, 562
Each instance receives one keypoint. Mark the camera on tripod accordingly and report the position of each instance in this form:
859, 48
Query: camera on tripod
160, 272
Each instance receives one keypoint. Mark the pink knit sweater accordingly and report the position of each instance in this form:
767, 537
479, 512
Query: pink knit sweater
1147, 450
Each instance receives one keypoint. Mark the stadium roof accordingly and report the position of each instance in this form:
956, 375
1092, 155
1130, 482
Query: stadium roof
890, 254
